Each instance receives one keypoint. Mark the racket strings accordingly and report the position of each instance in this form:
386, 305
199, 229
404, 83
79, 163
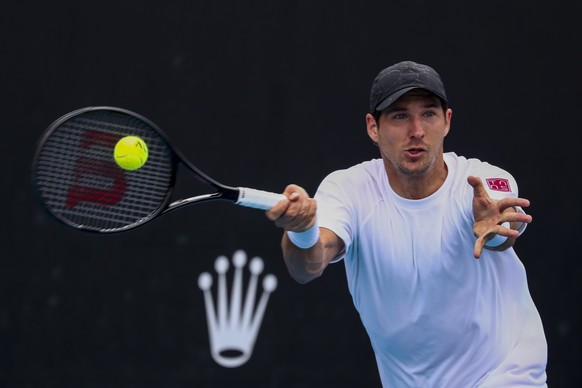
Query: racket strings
81, 183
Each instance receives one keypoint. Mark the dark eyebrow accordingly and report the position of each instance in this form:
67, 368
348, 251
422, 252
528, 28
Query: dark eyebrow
434, 104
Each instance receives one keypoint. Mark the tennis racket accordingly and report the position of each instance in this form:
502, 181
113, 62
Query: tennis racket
78, 181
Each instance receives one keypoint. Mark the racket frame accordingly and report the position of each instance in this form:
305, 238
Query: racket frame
223, 192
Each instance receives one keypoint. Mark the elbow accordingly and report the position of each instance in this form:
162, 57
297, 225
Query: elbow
303, 277
304, 265
307, 273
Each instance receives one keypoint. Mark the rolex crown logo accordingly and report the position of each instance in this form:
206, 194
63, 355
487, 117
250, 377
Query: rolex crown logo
233, 324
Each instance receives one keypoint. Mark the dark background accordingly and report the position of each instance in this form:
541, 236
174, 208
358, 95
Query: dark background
262, 94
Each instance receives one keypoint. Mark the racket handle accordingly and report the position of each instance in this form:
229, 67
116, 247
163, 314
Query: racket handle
257, 199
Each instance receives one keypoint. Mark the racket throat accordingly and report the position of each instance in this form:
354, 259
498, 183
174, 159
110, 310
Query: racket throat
200, 198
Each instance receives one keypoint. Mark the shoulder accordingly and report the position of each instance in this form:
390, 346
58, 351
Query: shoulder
497, 180
472, 166
354, 182
365, 171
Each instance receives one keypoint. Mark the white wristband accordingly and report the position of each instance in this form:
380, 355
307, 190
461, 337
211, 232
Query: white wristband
307, 238
497, 240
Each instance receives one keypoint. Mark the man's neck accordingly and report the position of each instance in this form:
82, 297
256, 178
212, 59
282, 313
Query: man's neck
417, 187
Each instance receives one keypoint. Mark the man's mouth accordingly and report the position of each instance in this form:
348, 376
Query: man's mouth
413, 152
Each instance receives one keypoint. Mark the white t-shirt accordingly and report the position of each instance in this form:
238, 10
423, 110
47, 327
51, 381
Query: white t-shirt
435, 315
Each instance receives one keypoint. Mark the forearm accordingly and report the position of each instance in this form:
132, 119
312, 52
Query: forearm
303, 265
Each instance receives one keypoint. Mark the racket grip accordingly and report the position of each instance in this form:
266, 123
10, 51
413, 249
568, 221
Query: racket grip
257, 199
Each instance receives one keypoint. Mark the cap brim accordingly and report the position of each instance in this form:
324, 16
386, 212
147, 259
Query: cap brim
393, 97
396, 95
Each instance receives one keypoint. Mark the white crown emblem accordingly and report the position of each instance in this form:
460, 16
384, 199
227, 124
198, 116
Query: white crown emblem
233, 327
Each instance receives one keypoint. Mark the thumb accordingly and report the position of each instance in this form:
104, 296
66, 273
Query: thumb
293, 192
477, 184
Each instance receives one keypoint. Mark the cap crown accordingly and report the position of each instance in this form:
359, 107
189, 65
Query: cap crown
396, 80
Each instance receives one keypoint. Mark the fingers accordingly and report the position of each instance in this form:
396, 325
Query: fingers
501, 230
278, 210
477, 184
499, 233
478, 249
292, 192
296, 213
513, 202
516, 217
481, 199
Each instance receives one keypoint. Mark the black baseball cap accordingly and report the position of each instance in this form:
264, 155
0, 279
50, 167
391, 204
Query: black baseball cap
396, 80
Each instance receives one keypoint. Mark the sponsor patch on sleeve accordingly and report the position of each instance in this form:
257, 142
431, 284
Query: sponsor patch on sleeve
498, 184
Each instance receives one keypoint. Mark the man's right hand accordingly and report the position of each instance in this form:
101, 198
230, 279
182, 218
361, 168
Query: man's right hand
296, 213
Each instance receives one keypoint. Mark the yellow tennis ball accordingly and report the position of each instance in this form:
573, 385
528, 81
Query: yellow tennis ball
130, 153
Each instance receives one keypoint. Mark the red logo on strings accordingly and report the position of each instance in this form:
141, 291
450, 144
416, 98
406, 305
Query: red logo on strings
88, 169
498, 184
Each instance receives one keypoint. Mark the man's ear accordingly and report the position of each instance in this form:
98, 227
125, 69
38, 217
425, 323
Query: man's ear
448, 116
372, 127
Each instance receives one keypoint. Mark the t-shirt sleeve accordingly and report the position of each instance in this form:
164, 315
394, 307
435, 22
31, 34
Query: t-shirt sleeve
334, 209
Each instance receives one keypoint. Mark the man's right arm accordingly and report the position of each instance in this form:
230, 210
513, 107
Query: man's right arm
298, 215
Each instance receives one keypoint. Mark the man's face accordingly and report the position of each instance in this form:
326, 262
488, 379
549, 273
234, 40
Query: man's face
410, 133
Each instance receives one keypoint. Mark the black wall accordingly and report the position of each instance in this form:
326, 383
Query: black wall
262, 94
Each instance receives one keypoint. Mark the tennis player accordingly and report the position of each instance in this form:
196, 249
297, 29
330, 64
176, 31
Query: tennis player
427, 239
